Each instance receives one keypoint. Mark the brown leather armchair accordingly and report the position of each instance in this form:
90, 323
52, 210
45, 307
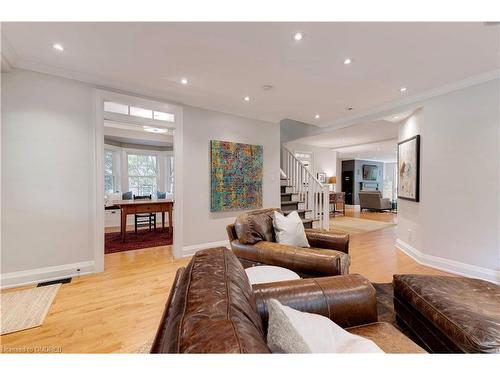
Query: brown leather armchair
254, 243
212, 308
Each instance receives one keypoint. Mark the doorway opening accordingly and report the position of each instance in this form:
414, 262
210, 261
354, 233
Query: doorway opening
138, 144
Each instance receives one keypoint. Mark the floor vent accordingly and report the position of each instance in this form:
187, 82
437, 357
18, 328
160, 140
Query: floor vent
60, 281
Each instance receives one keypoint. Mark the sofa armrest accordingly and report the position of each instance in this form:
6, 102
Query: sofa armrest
306, 262
348, 300
328, 240
385, 203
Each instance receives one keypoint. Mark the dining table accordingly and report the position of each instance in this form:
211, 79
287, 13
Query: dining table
143, 206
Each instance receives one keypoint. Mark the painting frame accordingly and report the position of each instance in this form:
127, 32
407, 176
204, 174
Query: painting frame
236, 176
321, 176
414, 179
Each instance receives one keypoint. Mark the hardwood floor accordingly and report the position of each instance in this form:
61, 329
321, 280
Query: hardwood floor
119, 310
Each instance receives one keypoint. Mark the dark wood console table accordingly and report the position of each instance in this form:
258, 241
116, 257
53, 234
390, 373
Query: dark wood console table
132, 207
337, 198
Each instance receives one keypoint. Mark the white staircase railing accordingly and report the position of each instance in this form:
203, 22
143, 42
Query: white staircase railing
313, 194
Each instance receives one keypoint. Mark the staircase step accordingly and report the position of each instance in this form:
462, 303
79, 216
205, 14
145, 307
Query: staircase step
308, 223
302, 213
290, 205
286, 197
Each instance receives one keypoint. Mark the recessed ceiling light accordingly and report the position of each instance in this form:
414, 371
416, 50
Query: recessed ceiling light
347, 61
58, 46
395, 117
184, 81
150, 129
349, 108
403, 89
246, 98
316, 117
298, 36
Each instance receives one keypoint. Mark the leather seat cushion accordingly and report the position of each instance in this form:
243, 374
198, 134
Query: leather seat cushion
256, 226
387, 337
213, 309
465, 310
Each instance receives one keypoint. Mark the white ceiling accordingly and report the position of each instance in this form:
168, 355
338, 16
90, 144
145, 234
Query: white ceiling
380, 151
226, 61
375, 140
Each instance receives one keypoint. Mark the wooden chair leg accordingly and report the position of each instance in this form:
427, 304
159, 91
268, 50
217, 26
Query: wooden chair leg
135, 224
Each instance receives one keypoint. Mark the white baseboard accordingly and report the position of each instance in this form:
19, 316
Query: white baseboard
39, 275
188, 251
448, 265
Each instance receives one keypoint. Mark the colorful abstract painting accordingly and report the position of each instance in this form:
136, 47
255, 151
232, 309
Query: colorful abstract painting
236, 176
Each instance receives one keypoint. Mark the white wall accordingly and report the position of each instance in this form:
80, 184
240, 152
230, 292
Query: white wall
48, 208
47, 172
455, 225
324, 159
200, 126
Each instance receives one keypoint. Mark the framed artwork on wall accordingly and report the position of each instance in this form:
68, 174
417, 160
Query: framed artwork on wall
409, 169
321, 177
235, 176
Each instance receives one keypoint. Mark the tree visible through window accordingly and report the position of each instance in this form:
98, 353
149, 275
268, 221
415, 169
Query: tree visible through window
109, 178
142, 174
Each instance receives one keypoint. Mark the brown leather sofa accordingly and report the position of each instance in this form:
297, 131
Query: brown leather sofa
449, 314
212, 308
253, 241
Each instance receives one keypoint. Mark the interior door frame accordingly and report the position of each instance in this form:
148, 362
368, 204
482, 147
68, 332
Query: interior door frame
97, 194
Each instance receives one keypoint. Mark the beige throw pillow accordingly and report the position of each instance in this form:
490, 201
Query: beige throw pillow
289, 230
293, 331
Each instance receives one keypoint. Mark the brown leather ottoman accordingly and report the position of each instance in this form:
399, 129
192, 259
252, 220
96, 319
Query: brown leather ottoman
449, 314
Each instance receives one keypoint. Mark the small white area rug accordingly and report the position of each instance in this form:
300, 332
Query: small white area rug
26, 308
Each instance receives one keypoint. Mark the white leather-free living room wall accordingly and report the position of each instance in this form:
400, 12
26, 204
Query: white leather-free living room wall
199, 127
456, 225
48, 210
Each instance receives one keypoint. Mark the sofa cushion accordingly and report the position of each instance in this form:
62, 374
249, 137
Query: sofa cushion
213, 309
465, 310
255, 226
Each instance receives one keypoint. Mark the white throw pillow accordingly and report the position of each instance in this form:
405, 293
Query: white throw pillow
269, 274
292, 331
289, 229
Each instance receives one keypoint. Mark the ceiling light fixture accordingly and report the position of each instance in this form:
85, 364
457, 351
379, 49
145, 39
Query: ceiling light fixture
403, 89
316, 117
58, 46
298, 36
246, 98
150, 129
184, 81
347, 61
349, 108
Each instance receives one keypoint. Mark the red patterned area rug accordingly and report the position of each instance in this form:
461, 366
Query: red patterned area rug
143, 239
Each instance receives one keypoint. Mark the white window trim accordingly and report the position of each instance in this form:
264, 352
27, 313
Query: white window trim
97, 230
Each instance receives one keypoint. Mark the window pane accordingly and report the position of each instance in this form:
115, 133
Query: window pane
141, 112
142, 171
108, 162
109, 184
116, 108
163, 116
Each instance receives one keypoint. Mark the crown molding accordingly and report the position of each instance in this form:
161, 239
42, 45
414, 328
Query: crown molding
9, 55
409, 103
